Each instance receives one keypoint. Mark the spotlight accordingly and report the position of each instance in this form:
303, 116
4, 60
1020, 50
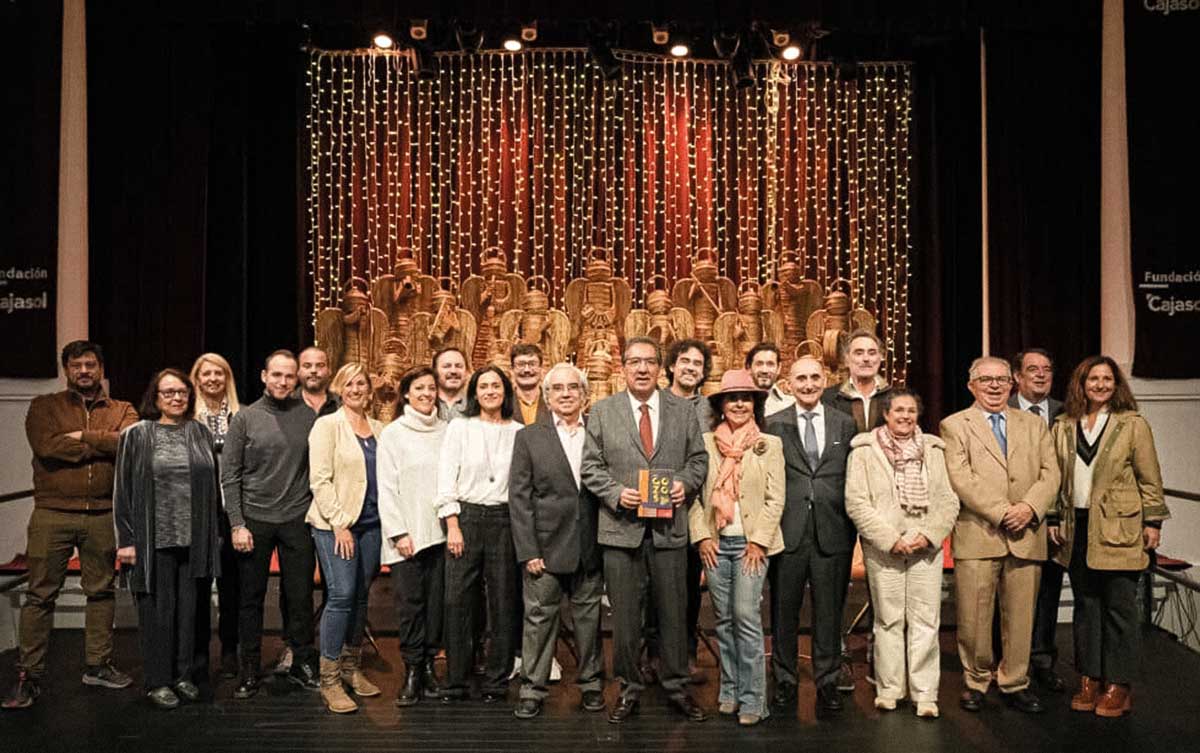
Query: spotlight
512, 44
427, 69
470, 38
791, 52
383, 41
660, 34
418, 28
726, 44
780, 38
529, 32
680, 47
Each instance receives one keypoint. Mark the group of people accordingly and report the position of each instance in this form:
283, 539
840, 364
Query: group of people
492, 500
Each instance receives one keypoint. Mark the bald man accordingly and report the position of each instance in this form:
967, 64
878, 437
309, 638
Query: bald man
818, 536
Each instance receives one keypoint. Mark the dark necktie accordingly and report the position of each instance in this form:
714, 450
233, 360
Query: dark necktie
810, 439
646, 430
1035, 410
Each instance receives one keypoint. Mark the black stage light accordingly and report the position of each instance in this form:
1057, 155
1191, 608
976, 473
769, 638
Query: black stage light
469, 37
600, 42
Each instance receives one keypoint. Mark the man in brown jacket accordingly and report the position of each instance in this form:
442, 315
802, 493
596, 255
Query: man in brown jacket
1002, 466
73, 435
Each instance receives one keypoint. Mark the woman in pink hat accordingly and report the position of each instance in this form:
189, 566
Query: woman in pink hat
735, 527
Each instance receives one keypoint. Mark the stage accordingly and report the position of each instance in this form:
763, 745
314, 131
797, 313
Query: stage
72, 717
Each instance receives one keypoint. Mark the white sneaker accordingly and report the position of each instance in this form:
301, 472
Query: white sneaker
927, 709
516, 670
555, 671
885, 704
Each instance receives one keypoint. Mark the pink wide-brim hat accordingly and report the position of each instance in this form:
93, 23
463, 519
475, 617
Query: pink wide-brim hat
736, 380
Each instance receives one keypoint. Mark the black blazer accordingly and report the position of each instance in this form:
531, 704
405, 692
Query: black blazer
819, 492
1056, 406
551, 517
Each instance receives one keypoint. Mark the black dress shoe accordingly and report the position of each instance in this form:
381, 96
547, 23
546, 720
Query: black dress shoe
685, 705
527, 708
410, 690
622, 710
828, 698
593, 700
249, 683
971, 700
229, 666
785, 695
1026, 701
430, 687
1049, 680
303, 674
493, 696
187, 690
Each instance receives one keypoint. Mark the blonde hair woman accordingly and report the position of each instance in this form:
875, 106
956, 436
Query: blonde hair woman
216, 403
344, 516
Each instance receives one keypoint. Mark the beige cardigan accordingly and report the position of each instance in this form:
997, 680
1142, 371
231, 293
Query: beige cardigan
337, 471
870, 495
762, 498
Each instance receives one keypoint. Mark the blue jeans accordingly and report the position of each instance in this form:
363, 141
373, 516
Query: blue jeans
736, 598
347, 585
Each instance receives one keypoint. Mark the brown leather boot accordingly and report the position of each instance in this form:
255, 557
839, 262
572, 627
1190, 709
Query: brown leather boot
1116, 701
332, 691
351, 664
1085, 698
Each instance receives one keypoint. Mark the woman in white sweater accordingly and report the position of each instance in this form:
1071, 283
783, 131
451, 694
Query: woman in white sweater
413, 539
898, 495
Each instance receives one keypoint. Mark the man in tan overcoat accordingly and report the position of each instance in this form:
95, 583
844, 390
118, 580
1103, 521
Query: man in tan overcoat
1002, 466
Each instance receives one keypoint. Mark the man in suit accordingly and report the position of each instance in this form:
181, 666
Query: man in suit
818, 536
1033, 373
554, 534
645, 428
528, 403
1002, 465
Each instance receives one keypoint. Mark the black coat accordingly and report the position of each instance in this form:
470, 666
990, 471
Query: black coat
820, 492
134, 508
552, 518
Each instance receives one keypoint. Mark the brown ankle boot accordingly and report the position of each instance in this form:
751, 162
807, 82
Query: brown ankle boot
351, 664
1116, 701
332, 691
1085, 698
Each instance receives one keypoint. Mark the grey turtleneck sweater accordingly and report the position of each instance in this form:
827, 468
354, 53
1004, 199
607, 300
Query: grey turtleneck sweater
264, 464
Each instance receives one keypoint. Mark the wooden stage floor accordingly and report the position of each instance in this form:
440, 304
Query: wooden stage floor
72, 717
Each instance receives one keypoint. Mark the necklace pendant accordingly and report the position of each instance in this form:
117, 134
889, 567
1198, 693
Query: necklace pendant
491, 478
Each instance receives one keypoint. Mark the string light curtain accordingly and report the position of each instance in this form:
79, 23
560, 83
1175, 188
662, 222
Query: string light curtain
537, 153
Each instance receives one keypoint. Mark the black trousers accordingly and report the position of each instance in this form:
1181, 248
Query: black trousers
167, 619
1105, 623
228, 598
418, 588
1043, 651
626, 572
828, 575
297, 563
488, 563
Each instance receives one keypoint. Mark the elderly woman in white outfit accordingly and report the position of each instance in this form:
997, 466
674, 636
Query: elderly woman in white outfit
898, 495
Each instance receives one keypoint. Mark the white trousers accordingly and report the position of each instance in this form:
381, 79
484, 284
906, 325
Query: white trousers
906, 594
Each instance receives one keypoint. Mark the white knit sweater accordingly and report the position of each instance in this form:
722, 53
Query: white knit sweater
409, 448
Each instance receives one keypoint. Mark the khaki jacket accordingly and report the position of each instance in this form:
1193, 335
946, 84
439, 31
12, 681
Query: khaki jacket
871, 501
1127, 493
762, 496
337, 471
988, 483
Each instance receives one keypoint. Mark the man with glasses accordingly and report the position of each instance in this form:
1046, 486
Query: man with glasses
264, 477
1033, 373
528, 403
73, 435
1002, 465
554, 534
644, 428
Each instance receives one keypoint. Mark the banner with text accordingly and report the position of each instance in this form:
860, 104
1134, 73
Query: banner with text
1164, 163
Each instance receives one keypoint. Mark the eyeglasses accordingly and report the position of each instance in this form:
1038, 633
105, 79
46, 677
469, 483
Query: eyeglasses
572, 387
530, 364
635, 362
990, 380
173, 394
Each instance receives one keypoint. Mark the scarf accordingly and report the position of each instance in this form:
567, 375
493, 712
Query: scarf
727, 489
906, 457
